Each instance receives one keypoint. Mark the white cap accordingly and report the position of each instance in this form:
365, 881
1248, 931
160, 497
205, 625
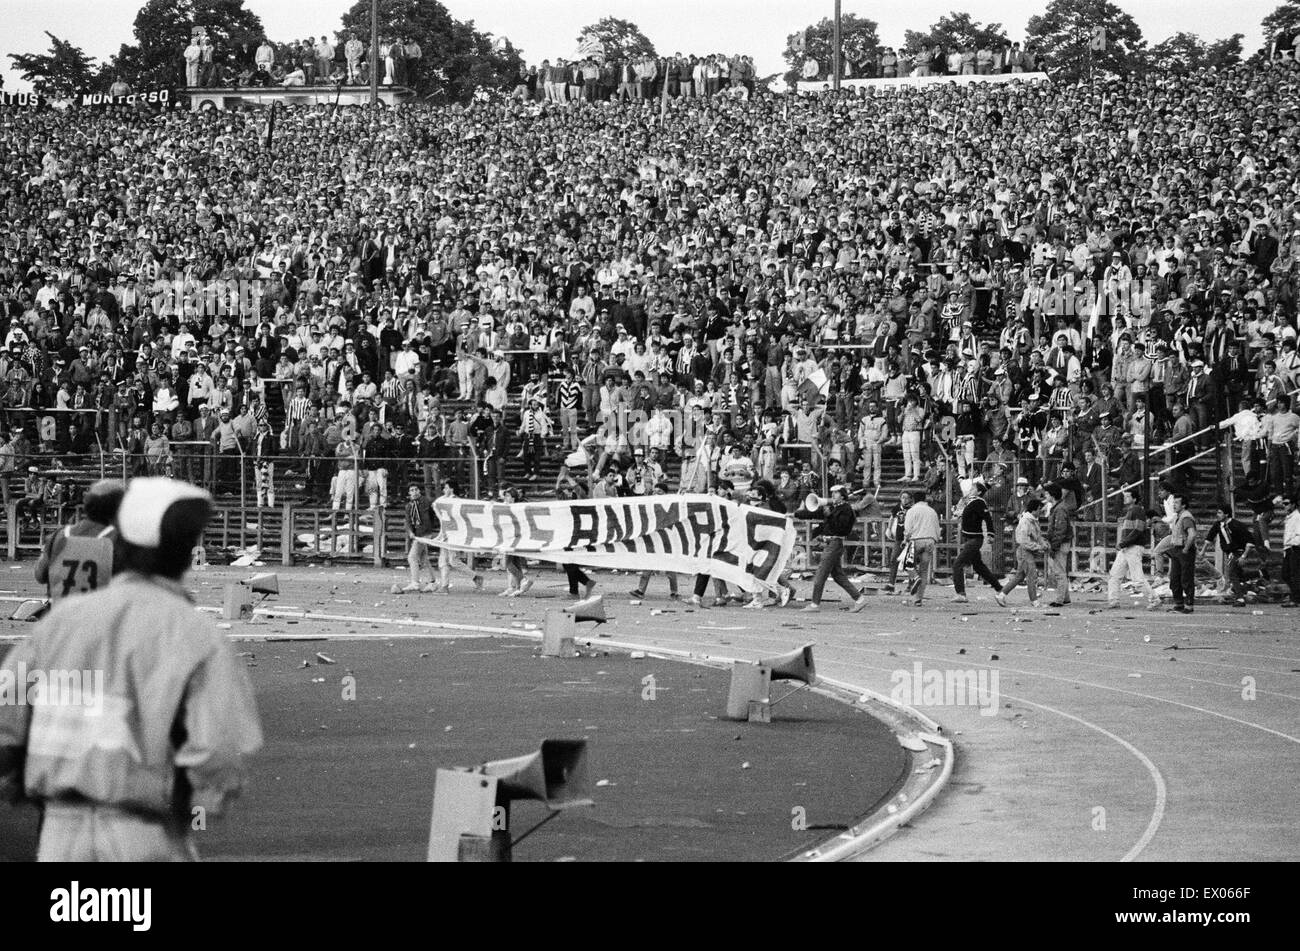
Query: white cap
140, 518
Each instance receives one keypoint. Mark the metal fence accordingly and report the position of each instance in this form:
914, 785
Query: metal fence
285, 507
293, 533
871, 549
236, 474
287, 534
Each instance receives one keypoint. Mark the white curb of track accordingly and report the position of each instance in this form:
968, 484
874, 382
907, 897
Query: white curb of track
858, 839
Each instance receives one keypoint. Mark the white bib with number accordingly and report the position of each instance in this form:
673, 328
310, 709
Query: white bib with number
82, 565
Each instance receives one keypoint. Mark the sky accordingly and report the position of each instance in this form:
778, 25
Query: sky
545, 29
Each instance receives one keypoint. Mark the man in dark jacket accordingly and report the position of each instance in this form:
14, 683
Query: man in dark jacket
1093, 482
1060, 535
1235, 541
494, 466
419, 524
1202, 398
976, 528
1263, 248
837, 519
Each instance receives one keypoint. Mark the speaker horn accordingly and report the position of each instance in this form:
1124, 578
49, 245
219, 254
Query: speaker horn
32, 609
589, 609
812, 502
471, 808
556, 774
265, 583
796, 665
749, 695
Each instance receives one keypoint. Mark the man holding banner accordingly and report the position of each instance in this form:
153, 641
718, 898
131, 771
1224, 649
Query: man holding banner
447, 562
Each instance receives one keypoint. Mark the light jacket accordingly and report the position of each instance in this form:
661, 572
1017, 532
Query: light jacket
163, 726
1029, 534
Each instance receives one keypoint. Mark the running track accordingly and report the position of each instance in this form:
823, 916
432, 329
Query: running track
1084, 761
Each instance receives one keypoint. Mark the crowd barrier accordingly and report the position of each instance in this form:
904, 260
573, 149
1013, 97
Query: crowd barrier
294, 533
286, 534
871, 549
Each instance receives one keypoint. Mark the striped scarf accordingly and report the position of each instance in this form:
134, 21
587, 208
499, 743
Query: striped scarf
570, 395
297, 412
684, 361
968, 390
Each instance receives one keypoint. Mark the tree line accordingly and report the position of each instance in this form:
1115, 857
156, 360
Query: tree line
459, 58
1062, 34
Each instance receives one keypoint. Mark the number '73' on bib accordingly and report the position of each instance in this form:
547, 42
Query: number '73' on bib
82, 565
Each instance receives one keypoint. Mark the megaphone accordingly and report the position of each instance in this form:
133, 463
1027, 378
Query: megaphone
471, 808
812, 502
264, 584
796, 665
748, 697
589, 609
33, 609
556, 774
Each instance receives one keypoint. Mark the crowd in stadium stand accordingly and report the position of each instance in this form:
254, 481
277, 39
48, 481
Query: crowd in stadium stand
986, 59
989, 279
586, 78
305, 62
648, 77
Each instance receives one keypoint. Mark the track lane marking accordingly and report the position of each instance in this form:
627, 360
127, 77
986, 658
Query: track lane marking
1131, 693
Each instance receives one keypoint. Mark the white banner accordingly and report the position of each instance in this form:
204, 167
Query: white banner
690, 534
879, 86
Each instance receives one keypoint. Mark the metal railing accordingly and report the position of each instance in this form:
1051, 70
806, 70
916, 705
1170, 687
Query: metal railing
302, 533
1167, 448
287, 534
1222, 442
869, 549
253, 496
297, 533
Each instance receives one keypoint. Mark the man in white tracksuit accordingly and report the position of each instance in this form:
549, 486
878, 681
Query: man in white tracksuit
147, 732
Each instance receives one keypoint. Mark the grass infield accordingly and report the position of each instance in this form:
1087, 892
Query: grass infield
352, 779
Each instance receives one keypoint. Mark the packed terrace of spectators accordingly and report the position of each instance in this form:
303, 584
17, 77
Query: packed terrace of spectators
993, 279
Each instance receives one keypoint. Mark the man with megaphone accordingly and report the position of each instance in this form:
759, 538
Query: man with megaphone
837, 518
